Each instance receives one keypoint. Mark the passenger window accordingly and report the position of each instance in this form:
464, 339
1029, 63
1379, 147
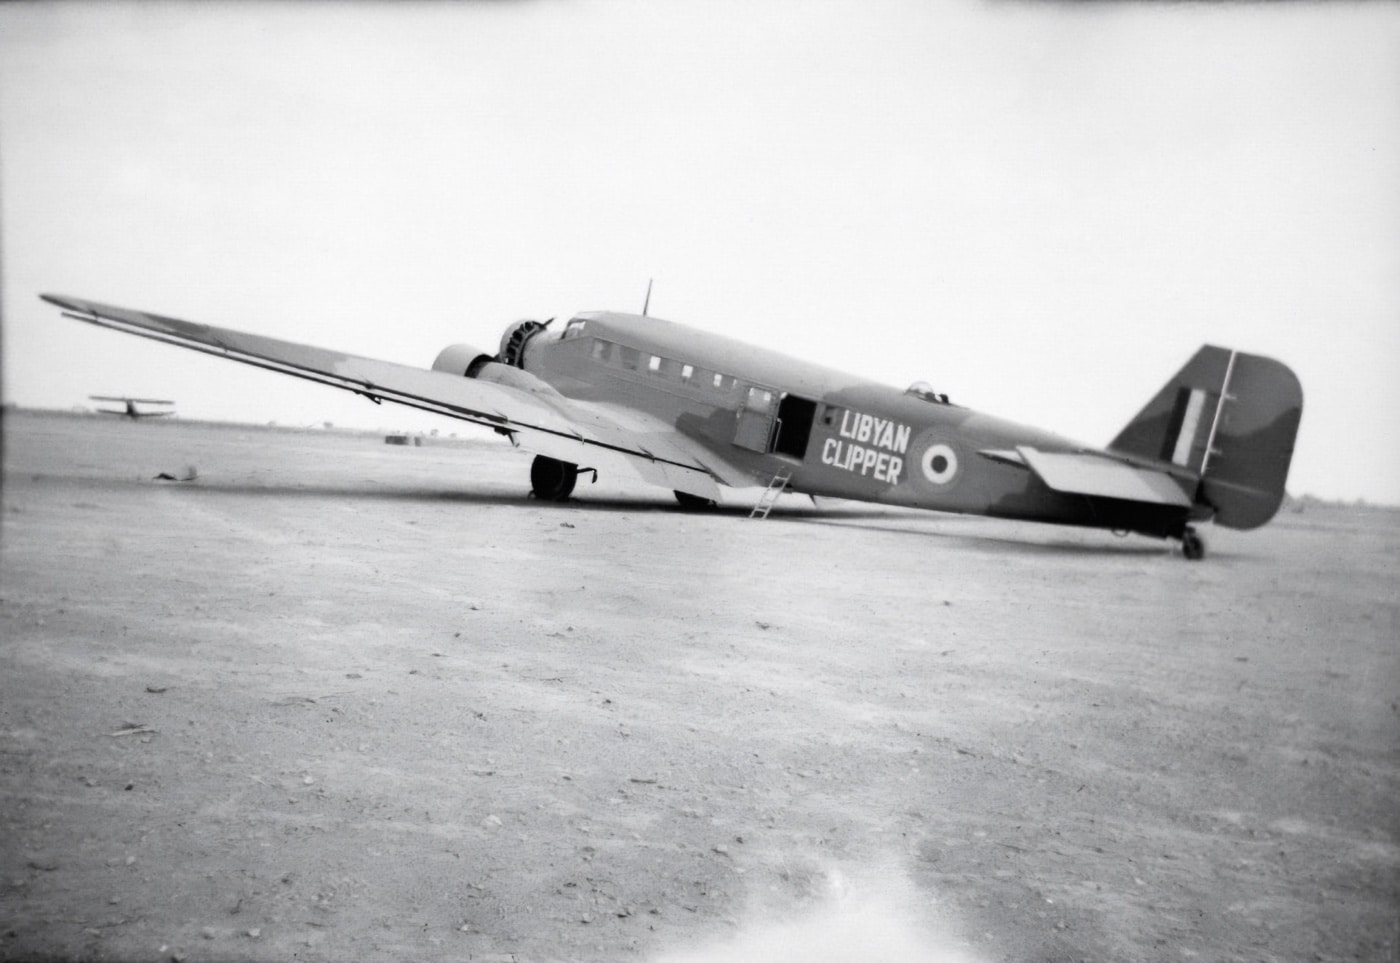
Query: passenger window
654, 364
631, 357
602, 350
687, 371
759, 399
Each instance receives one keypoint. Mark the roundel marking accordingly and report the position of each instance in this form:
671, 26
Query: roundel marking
940, 463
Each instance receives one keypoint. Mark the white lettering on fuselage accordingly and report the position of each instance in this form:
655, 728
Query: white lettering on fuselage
868, 446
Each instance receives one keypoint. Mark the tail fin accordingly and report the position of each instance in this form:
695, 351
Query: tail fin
1230, 418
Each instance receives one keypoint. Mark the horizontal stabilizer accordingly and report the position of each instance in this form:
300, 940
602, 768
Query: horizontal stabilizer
1084, 473
1007, 456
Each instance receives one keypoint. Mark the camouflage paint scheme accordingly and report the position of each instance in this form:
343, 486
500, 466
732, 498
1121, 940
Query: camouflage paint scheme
988, 466
692, 411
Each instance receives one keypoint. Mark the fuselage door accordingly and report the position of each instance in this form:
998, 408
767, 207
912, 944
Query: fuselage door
795, 417
755, 425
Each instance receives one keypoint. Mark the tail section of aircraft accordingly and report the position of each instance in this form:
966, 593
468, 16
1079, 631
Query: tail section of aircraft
1247, 466
1229, 418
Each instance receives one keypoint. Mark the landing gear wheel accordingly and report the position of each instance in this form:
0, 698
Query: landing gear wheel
1192, 546
552, 480
694, 503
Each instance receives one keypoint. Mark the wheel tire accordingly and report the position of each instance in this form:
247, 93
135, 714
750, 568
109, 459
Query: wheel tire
552, 480
694, 503
1193, 547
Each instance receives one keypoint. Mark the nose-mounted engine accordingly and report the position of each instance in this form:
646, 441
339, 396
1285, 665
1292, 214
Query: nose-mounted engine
471, 362
514, 339
550, 479
507, 368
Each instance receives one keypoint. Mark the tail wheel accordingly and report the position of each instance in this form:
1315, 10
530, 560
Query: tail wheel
552, 480
1192, 546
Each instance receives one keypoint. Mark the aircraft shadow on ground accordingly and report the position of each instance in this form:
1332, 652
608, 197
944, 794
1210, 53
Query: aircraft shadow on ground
974, 539
844, 516
515, 498
504, 499
463, 496
978, 532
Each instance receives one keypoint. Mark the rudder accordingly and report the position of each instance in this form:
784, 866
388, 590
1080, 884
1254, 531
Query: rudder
1247, 467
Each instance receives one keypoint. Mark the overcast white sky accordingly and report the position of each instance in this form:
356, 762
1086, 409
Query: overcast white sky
1043, 209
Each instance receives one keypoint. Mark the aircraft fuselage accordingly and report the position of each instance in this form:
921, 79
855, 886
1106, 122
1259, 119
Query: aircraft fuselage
834, 434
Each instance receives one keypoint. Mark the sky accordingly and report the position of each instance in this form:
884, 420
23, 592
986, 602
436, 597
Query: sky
1043, 209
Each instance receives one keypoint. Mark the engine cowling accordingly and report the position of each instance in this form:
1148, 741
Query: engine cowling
468, 361
513, 342
504, 374
462, 359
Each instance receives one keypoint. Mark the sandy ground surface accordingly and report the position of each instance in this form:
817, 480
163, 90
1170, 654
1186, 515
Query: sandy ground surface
339, 700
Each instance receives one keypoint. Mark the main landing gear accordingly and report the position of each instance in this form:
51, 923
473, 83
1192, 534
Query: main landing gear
552, 480
693, 503
1192, 545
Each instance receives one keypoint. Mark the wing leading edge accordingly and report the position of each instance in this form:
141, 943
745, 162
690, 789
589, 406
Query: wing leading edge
538, 422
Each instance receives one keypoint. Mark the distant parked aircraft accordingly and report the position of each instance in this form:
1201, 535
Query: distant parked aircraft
131, 411
692, 411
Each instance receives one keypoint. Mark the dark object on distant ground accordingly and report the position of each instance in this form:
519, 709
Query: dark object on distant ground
131, 411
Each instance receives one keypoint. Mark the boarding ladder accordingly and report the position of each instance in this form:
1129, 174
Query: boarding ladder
769, 498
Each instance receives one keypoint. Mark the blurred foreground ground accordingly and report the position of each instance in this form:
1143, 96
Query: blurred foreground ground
336, 700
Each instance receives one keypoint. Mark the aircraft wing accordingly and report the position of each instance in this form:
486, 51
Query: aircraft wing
645, 425
138, 401
1085, 473
540, 421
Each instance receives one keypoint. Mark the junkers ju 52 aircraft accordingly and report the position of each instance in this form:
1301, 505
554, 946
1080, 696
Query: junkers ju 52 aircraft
692, 411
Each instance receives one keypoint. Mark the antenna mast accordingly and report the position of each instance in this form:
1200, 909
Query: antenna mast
647, 303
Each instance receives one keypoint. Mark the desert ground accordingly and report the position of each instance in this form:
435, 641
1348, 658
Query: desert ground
333, 699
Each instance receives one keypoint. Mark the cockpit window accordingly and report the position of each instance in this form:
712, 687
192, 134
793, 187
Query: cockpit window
574, 329
924, 392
